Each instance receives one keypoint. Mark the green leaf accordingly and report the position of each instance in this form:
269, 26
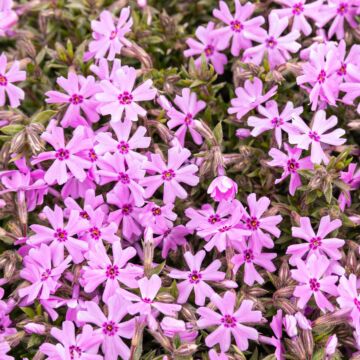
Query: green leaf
12, 129
43, 116
28, 311
158, 269
218, 132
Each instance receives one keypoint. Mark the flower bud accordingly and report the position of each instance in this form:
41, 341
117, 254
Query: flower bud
243, 133
290, 325
34, 328
331, 345
222, 188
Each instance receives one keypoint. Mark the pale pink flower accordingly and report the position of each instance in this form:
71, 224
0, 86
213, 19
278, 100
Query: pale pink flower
277, 47
351, 177
102, 69
196, 279
173, 328
229, 322
222, 188
316, 135
4, 349
8, 17
7, 78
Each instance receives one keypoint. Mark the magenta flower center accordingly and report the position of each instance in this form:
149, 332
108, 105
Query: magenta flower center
292, 165
112, 271
168, 174
298, 8
270, 42
209, 50
225, 229
62, 154
214, 219
147, 300
342, 9
60, 235
188, 119
85, 215
126, 209
109, 328
252, 223
315, 243
236, 26
125, 98
248, 256
45, 275
95, 233
321, 77
156, 211
277, 121
194, 277
92, 155
113, 34
313, 135
74, 349
76, 99
124, 178
123, 147
314, 284
357, 303
342, 70
228, 321
3, 80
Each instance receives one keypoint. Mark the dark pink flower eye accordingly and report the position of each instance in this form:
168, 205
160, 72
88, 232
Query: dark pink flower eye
61, 235
194, 277
236, 26
113, 34
270, 42
252, 223
3, 80
126, 209
342, 9
109, 328
314, 284
248, 256
112, 271
125, 98
292, 165
123, 147
156, 211
124, 178
209, 50
321, 77
228, 321
76, 99
95, 233
168, 175
298, 8
313, 135
62, 154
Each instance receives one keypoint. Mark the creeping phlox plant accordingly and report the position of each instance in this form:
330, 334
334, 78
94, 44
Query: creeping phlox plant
179, 179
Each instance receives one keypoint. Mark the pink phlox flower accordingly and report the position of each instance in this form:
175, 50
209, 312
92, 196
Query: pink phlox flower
351, 177
229, 322
65, 156
349, 298
249, 97
256, 223
102, 69
291, 164
4, 349
313, 282
249, 256
43, 272
273, 120
101, 269
196, 279
61, 235
349, 65
8, 17
339, 12
277, 47
317, 243
237, 26
119, 97
213, 355
7, 78
184, 118
299, 10
352, 88
79, 97
110, 326
209, 46
5, 326
316, 135
170, 175
159, 218
76, 188
146, 303
127, 175
83, 346
128, 214
320, 72
175, 327
108, 37
223, 188
127, 146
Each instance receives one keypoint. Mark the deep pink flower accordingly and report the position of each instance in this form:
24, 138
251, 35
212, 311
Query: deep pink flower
109, 38
351, 177
317, 243
145, 304
256, 223
237, 25
291, 164
273, 120
43, 272
196, 279
222, 188
210, 46
313, 282
249, 97
189, 107
277, 47
316, 135
60, 235
170, 175
229, 322
249, 256
83, 346
100, 269
119, 97
66, 157
7, 78
110, 326
8, 17
79, 96
299, 10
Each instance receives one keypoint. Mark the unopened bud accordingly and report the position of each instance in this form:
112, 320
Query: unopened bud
185, 350
34, 328
165, 297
